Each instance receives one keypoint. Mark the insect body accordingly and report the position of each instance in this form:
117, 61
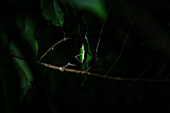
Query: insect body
85, 56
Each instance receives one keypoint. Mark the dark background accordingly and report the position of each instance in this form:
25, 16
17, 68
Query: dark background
52, 91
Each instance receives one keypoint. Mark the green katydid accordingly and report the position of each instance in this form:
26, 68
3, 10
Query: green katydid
85, 55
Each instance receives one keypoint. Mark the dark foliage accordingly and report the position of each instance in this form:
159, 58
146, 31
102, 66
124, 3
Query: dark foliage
29, 27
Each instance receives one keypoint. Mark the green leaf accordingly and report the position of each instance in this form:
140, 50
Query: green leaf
51, 10
9, 83
23, 70
96, 6
26, 25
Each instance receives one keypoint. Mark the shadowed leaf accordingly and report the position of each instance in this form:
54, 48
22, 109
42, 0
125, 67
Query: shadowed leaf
52, 11
23, 70
96, 6
26, 25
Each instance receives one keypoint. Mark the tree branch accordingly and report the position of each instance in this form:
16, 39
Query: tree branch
62, 69
49, 49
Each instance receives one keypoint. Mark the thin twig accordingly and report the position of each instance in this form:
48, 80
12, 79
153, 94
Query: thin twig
62, 69
98, 43
17, 55
146, 68
101, 32
123, 46
97, 75
49, 49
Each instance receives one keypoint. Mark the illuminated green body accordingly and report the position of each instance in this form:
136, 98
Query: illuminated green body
85, 55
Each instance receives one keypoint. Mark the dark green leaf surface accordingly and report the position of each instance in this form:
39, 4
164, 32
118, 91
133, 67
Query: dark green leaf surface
51, 11
26, 25
146, 55
23, 70
96, 6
